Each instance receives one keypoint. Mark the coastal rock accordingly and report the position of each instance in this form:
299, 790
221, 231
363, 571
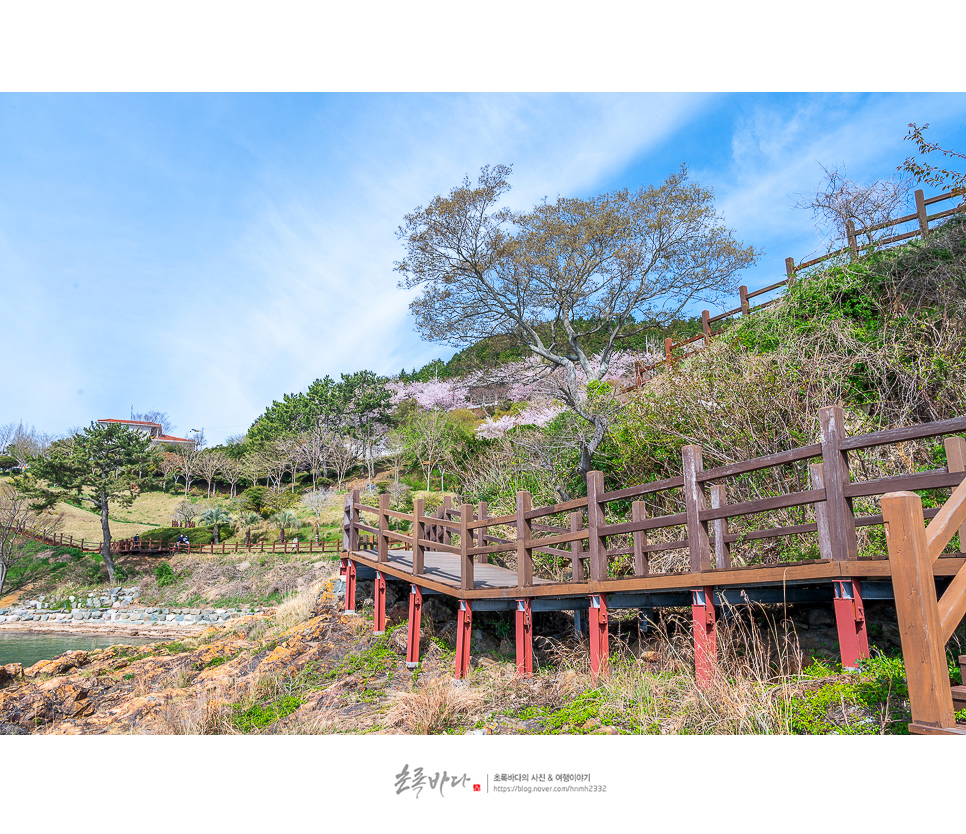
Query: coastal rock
10, 672
57, 666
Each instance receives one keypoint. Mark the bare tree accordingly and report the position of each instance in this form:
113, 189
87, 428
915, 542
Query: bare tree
26, 442
839, 201
186, 512
159, 417
429, 437
317, 500
169, 463
209, 464
395, 451
568, 276
343, 454
187, 465
232, 470
16, 519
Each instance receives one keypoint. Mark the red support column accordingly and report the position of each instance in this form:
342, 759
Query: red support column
599, 643
705, 643
463, 631
343, 566
415, 613
850, 622
524, 639
379, 616
350, 587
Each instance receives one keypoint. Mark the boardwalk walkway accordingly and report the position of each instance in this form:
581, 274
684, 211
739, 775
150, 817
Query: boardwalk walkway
608, 559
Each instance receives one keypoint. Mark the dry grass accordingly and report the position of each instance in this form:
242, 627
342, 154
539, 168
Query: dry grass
432, 708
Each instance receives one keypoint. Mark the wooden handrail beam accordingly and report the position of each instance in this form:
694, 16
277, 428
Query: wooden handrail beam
944, 526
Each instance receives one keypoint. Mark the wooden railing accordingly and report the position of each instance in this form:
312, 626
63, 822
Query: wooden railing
699, 499
854, 249
128, 546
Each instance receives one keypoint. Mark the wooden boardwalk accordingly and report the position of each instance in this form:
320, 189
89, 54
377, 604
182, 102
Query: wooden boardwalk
609, 560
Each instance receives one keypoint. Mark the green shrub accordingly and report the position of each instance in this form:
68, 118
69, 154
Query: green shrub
165, 575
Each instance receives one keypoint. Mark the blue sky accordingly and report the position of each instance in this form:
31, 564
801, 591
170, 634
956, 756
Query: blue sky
203, 254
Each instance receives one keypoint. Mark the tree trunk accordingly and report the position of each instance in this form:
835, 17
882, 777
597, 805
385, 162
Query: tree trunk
214, 533
3, 575
106, 539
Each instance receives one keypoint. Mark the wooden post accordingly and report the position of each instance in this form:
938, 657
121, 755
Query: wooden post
921, 211
482, 511
790, 270
816, 474
743, 294
466, 542
722, 548
576, 548
379, 614
383, 545
599, 636
923, 653
835, 471
668, 347
415, 614
706, 326
446, 534
346, 521
956, 462
596, 543
524, 641
354, 520
524, 541
419, 510
463, 634
705, 641
695, 501
639, 513
853, 243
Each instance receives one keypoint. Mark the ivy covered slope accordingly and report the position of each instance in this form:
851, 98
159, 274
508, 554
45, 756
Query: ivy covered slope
884, 336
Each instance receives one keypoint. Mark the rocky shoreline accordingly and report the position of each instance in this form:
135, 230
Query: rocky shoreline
103, 629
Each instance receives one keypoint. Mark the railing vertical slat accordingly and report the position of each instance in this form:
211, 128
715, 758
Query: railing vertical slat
419, 510
596, 544
722, 548
382, 550
466, 541
524, 540
576, 547
482, 511
921, 211
699, 543
641, 566
835, 471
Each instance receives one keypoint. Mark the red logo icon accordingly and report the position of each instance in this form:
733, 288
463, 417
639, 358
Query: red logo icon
476, 787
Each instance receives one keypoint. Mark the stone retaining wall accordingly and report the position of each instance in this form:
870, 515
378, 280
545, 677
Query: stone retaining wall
115, 606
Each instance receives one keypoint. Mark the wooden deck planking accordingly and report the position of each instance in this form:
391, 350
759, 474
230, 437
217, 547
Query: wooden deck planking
442, 568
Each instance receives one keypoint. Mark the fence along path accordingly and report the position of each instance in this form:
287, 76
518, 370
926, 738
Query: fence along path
159, 546
854, 249
602, 541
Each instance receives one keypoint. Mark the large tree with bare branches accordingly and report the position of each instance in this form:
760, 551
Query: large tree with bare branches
566, 275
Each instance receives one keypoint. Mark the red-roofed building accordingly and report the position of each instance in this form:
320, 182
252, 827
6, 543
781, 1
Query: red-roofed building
153, 430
